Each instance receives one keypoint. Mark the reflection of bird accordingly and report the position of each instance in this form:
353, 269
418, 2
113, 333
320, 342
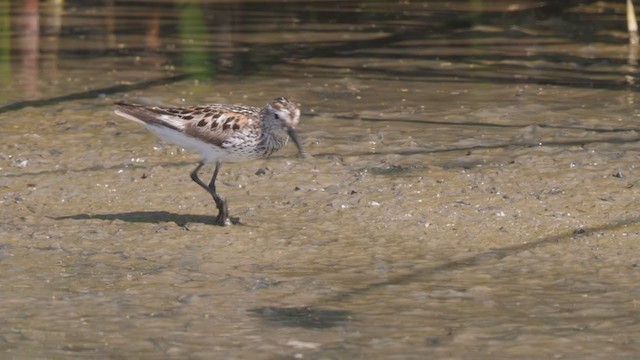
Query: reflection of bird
221, 132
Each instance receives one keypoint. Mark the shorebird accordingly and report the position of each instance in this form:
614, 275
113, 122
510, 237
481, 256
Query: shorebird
221, 133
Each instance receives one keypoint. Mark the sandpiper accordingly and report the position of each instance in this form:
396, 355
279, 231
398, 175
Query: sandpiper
221, 133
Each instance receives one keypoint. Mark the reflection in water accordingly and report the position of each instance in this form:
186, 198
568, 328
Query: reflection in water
198, 59
5, 44
152, 38
35, 31
28, 30
207, 39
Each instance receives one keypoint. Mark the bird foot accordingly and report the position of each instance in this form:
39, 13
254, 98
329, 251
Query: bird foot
227, 221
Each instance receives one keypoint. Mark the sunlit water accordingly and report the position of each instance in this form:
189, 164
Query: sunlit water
473, 191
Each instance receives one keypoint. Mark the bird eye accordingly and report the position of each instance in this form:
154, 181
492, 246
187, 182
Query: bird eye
276, 116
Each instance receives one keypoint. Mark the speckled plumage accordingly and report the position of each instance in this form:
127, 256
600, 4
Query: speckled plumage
221, 133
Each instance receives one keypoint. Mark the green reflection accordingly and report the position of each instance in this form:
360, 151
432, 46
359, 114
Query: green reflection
5, 43
196, 59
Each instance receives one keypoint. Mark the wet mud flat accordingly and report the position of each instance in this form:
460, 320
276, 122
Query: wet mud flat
514, 246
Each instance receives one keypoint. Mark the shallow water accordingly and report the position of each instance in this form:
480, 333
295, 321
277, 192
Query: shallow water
473, 189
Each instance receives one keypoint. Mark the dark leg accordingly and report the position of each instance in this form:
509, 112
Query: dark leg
223, 211
223, 214
194, 176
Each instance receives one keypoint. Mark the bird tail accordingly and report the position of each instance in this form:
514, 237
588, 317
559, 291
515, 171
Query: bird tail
147, 115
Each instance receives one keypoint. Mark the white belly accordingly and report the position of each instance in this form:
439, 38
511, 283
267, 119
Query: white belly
210, 152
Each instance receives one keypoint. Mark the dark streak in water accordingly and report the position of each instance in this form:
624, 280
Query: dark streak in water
483, 124
506, 146
91, 94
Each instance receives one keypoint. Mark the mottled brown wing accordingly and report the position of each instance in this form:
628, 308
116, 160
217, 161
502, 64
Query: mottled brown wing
216, 124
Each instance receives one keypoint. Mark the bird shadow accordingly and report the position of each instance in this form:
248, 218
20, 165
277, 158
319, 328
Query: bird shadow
152, 217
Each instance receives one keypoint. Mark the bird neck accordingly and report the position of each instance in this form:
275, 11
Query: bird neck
273, 137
